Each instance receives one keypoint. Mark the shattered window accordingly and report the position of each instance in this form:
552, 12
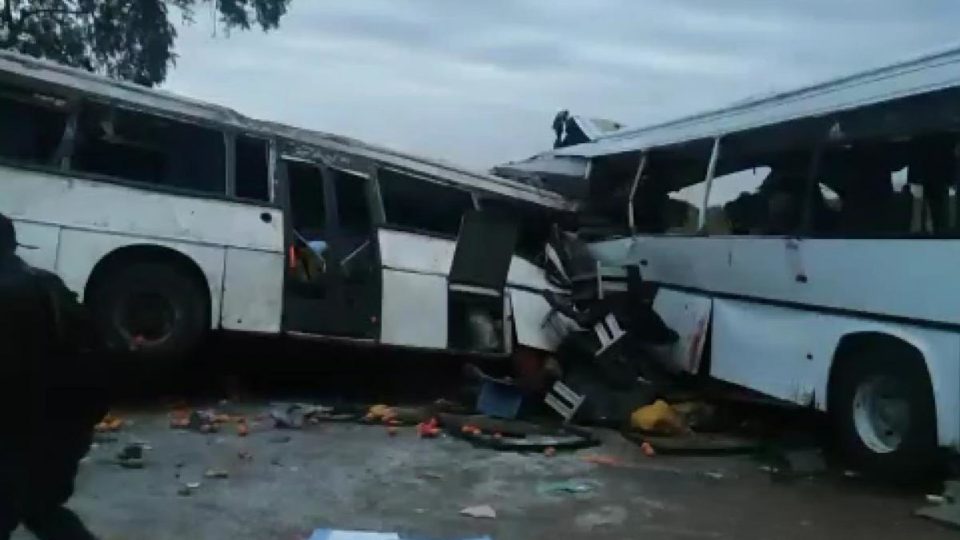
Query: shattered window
142, 147
252, 171
422, 205
31, 126
306, 199
883, 188
353, 207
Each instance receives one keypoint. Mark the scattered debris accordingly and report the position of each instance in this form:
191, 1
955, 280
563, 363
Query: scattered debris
481, 512
567, 486
715, 475
647, 449
186, 489
599, 459
245, 455
692, 443
216, 473
515, 435
332, 534
658, 417
109, 424
428, 429
946, 509
500, 398
295, 415
131, 457
380, 413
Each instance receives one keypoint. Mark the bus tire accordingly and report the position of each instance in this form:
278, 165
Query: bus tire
882, 412
154, 310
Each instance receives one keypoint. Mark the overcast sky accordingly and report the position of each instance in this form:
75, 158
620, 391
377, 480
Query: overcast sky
477, 82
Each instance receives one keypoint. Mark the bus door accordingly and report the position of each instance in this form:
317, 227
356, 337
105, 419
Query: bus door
333, 283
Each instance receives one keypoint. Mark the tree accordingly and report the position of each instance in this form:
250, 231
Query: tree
126, 39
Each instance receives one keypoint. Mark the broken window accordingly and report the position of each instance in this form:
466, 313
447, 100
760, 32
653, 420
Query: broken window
308, 217
31, 126
308, 213
422, 205
671, 191
252, 173
736, 204
146, 148
353, 206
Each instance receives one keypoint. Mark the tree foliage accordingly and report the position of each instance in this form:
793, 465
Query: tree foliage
126, 39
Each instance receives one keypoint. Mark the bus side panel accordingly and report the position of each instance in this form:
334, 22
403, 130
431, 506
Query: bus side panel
787, 353
535, 326
252, 291
778, 351
81, 250
44, 242
689, 315
414, 309
101, 206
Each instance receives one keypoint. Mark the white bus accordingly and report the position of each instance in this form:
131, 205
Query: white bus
171, 218
805, 245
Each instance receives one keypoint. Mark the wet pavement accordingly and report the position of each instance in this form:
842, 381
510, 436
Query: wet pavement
359, 477
349, 476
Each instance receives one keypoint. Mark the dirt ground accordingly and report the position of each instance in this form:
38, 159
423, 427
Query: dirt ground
350, 476
358, 477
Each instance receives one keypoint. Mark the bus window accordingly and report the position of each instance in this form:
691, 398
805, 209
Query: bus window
422, 205
355, 224
735, 205
31, 126
144, 148
307, 210
252, 172
673, 189
308, 217
353, 207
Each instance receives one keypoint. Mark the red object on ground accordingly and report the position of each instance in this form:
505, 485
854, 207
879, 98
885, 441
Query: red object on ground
647, 449
549, 451
428, 429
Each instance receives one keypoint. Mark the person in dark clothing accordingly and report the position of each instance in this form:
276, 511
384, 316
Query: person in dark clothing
48, 409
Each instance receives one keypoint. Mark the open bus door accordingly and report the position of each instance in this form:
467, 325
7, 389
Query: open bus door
333, 284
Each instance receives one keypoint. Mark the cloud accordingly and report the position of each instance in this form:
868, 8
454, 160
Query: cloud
478, 82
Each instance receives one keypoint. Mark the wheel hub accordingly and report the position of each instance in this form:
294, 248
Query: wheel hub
881, 414
146, 318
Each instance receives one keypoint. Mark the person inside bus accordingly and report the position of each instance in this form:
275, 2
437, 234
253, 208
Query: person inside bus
861, 176
933, 165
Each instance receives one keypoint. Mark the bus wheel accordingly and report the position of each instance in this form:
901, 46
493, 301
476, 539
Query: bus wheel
152, 309
882, 411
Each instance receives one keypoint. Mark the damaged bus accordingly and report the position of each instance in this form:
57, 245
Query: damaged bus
803, 246
171, 218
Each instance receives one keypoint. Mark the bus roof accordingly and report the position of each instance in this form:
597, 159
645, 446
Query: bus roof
919, 75
16, 67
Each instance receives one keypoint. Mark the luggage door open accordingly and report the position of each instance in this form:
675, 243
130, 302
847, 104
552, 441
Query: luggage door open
479, 310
